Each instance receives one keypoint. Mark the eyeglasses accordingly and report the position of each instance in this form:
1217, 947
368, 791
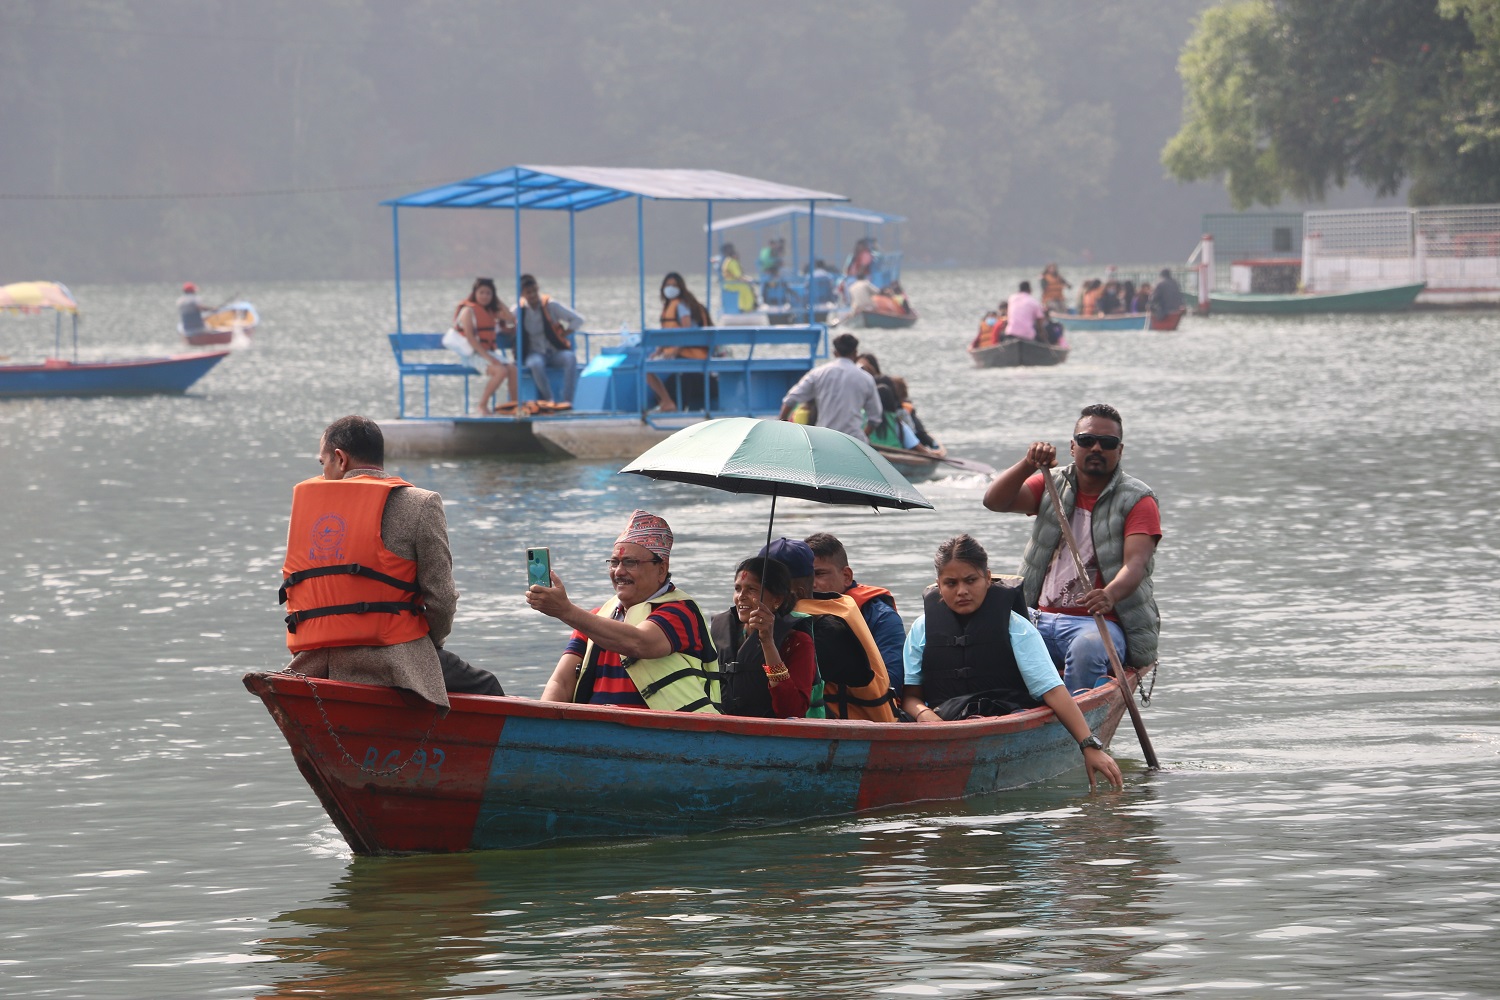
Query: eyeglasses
1107, 442
629, 565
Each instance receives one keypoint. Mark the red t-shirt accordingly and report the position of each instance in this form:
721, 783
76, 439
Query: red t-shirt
1062, 591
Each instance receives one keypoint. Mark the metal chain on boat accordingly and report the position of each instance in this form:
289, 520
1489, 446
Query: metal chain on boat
1143, 694
347, 756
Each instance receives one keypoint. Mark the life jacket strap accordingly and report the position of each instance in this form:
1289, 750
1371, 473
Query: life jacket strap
675, 676
362, 608
352, 569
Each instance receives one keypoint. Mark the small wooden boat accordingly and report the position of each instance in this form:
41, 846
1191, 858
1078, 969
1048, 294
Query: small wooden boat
219, 326
1122, 321
124, 377
1013, 352
515, 773
916, 465
1388, 299
876, 320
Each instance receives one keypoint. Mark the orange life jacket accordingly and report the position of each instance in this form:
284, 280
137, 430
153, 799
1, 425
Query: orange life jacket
1052, 287
560, 339
340, 583
671, 321
863, 593
486, 323
870, 701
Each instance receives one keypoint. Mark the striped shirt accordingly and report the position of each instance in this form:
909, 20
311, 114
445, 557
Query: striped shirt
685, 633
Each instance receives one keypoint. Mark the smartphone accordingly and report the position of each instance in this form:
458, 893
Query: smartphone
539, 567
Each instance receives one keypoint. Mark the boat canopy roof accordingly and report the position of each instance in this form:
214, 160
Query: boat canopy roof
843, 213
34, 296
581, 188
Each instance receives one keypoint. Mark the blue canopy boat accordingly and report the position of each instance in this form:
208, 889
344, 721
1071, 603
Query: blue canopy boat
746, 371
57, 376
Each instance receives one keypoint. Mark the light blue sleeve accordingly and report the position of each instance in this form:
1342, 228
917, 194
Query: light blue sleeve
1037, 668
684, 313
916, 644
562, 314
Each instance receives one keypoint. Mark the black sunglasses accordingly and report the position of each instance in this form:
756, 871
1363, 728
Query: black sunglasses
1108, 442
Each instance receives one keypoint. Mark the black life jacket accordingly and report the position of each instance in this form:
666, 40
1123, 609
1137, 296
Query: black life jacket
742, 675
963, 659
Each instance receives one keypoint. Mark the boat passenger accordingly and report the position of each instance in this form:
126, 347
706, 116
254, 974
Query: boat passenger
1024, 314
991, 327
766, 660
647, 646
973, 652
924, 441
1088, 302
1142, 301
844, 394
861, 259
862, 293
1166, 297
190, 309
679, 310
546, 335
1117, 523
732, 278
832, 574
771, 258
1053, 285
372, 598
479, 322
1110, 302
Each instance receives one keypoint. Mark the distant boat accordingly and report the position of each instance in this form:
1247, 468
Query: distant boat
915, 465
876, 320
55, 376
1013, 352
1388, 299
1122, 321
219, 325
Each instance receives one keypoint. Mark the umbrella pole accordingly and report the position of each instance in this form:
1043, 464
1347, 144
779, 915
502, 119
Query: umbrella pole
771, 521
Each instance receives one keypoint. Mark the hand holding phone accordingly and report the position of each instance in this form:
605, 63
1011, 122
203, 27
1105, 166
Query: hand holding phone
539, 567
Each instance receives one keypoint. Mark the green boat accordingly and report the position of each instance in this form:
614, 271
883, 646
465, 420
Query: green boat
1367, 300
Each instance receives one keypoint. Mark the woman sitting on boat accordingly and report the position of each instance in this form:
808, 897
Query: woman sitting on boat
991, 328
1088, 301
732, 278
974, 652
478, 322
1053, 284
679, 310
767, 663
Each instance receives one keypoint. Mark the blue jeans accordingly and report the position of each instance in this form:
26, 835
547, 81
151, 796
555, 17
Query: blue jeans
1077, 649
553, 357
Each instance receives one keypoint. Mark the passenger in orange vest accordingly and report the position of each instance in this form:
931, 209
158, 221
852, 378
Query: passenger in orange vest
831, 573
545, 340
679, 310
368, 577
478, 323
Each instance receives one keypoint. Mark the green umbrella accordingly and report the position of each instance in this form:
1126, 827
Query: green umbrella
776, 458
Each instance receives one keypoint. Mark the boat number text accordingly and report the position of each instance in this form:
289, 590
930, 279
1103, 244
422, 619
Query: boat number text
424, 765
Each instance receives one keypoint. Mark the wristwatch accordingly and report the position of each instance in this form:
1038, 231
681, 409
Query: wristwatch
1092, 743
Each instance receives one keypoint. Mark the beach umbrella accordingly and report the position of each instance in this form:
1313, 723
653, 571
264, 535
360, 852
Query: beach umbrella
777, 458
34, 296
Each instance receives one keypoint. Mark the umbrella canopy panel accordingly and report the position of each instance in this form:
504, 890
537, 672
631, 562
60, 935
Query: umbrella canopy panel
781, 459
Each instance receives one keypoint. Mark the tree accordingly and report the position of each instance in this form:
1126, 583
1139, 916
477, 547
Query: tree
1288, 96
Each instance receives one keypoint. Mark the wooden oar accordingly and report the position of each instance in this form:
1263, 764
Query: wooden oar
964, 464
1109, 645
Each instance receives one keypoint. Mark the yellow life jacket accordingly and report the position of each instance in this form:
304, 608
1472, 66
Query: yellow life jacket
672, 683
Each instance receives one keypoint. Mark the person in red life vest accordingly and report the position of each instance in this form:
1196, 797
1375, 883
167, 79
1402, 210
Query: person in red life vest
767, 666
1117, 523
973, 652
679, 310
546, 340
479, 321
368, 576
648, 646
832, 574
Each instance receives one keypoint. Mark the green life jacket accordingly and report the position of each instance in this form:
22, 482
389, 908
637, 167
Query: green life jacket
888, 434
672, 683
1137, 612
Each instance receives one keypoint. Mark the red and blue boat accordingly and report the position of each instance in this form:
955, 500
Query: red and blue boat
57, 376
508, 773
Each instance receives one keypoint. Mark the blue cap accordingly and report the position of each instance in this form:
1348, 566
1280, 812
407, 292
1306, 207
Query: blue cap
796, 555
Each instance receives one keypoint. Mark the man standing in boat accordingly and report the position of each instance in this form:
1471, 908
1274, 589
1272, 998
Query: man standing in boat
368, 576
1117, 523
647, 646
190, 309
844, 393
546, 340
1166, 297
1023, 313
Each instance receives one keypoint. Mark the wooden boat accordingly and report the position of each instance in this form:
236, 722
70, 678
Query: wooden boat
916, 465
876, 320
220, 325
516, 773
1393, 297
1122, 321
1012, 352
124, 377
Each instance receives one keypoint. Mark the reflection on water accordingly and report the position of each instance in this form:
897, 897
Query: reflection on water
1325, 708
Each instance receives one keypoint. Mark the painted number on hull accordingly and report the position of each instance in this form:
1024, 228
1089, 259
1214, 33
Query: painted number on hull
425, 765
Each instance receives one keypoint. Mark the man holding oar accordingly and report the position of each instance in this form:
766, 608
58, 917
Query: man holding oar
1117, 523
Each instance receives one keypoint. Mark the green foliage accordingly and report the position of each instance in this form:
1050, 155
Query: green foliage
1290, 96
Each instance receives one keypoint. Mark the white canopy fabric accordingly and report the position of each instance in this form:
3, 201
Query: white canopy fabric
843, 213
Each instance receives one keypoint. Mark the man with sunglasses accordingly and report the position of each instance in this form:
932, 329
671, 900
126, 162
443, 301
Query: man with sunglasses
648, 646
1117, 523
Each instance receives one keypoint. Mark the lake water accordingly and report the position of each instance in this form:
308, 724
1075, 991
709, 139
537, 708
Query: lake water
1323, 826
